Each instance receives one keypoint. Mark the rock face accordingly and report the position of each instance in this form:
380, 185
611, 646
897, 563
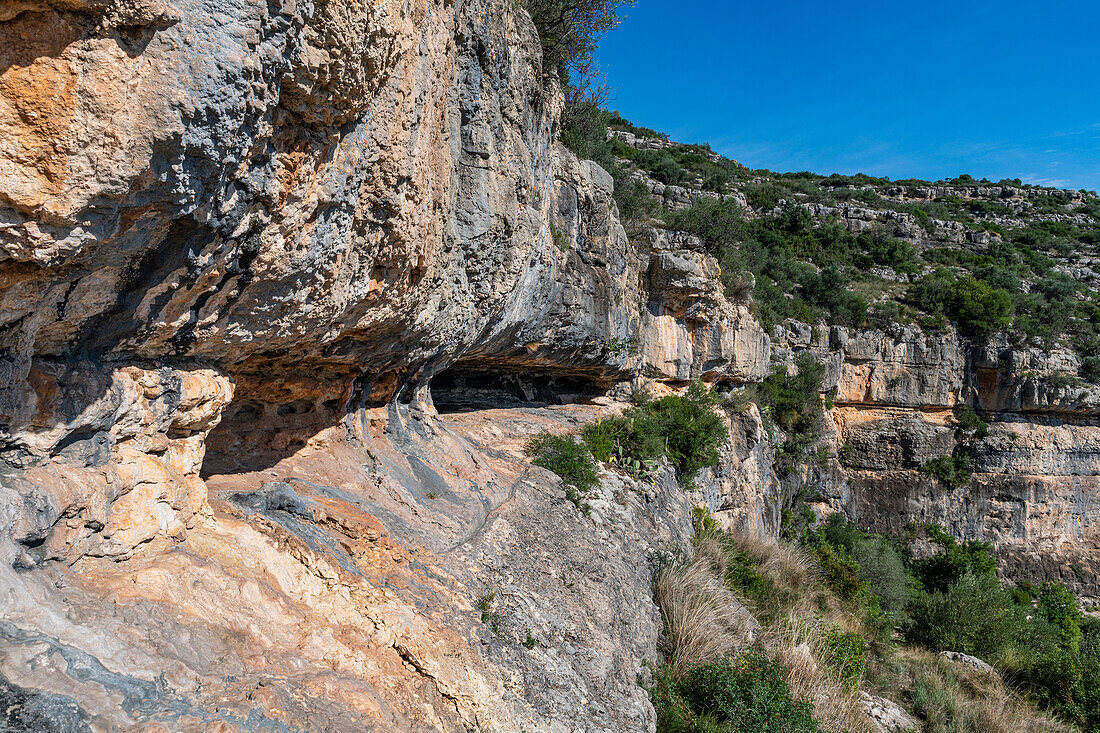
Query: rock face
239, 243
284, 290
1035, 476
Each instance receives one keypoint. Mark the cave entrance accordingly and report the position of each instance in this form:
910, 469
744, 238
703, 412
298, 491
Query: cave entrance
466, 389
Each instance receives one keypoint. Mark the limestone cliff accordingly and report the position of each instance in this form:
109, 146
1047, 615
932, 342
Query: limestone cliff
285, 288
241, 241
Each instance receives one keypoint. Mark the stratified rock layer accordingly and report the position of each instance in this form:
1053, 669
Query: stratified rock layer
284, 290
238, 242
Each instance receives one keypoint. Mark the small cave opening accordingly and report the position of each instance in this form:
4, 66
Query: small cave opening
470, 388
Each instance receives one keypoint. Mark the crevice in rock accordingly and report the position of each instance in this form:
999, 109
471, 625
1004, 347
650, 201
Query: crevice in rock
470, 388
275, 412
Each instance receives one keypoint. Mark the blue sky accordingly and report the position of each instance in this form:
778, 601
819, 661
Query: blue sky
928, 90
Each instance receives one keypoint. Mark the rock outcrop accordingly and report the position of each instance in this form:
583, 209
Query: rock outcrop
240, 242
1035, 476
285, 288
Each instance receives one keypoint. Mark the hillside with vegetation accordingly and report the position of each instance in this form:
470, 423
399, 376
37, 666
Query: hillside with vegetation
341, 390
864, 251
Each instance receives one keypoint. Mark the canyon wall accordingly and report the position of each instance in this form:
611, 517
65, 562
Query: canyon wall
240, 241
286, 287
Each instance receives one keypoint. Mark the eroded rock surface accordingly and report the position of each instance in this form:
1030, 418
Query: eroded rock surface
284, 290
238, 244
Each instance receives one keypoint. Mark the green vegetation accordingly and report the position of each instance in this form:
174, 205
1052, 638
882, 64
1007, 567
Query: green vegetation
1090, 369
787, 256
489, 616
977, 308
849, 611
952, 559
792, 266
571, 460
793, 401
685, 429
952, 600
953, 470
570, 29
970, 423
748, 694
801, 674
846, 655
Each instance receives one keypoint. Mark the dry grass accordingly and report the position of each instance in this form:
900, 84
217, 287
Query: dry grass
791, 600
799, 645
706, 621
703, 619
792, 584
955, 699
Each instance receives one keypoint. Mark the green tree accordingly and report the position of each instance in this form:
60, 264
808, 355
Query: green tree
570, 29
979, 308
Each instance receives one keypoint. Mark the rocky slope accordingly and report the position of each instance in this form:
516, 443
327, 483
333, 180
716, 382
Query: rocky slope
286, 287
896, 388
241, 242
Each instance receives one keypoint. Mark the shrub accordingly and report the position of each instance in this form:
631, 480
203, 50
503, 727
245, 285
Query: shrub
691, 428
952, 470
763, 196
748, 694
1090, 369
953, 560
883, 569
1060, 608
489, 616
845, 653
829, 289
571, 460
883, 249
686, 429
703, 523
977, 308
974, 616
884, 316
774, 249
793, 401
968, 421
865, 569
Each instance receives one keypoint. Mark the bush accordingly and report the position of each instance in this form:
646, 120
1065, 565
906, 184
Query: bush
775, 250
569, 459
885, 315
952, 470
968, 421
883, 569
829, 289
793, 401
1059, 607
1090, 369
977, 308
845, 653
763, 196
691, 429
953, 561
686, 429
748, 694
974, 616
864, 569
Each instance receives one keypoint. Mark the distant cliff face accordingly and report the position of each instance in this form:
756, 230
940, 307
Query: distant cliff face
285, 288
896, 388
1035, 480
